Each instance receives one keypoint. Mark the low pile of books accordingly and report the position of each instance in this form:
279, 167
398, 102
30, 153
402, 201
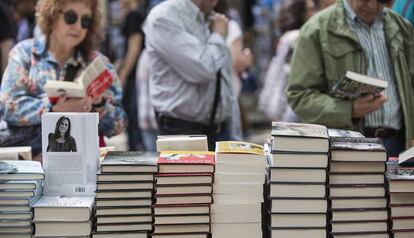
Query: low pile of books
63, 216
298, 204
238, 190
401, 186
20, 187
357, 190
183, 194
124, 194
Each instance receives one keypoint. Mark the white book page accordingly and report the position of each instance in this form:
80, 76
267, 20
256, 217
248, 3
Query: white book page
70, 170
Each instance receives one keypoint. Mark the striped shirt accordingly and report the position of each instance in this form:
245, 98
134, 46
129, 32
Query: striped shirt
372, 40
184, 58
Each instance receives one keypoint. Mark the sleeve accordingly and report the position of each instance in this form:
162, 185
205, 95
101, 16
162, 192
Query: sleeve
234, 32
194, 60
307, 89
133, 23
21, 98
112, 119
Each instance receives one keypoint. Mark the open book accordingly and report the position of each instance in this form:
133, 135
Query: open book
353, 85
93, 81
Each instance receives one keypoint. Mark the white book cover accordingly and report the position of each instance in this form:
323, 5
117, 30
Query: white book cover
70, 146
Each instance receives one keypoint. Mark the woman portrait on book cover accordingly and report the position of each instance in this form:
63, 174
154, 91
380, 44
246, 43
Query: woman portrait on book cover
61, 140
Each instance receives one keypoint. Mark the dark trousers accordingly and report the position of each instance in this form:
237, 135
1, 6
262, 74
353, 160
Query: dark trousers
173, 126
130, 104
394, 142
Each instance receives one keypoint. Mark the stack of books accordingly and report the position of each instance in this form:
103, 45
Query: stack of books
183, 194
357, 188
182, 143
401, 186
16, 153
124, 194
63, 216
238, 190
20, 188
298, 180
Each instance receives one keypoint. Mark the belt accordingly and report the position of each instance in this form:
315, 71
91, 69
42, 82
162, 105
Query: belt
197, 127
380, 132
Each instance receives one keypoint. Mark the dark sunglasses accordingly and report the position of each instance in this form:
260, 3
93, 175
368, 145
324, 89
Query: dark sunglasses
71, 17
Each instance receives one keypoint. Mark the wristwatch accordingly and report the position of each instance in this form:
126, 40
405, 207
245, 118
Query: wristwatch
100, 104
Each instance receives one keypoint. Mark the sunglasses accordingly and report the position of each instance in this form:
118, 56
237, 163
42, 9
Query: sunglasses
71, 17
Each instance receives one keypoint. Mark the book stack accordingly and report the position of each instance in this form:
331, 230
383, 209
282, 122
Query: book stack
183, 194
357, 188
182, 143
124, 194
401, 187
63, 216
20, 187
298, 180
238, 190
16, 153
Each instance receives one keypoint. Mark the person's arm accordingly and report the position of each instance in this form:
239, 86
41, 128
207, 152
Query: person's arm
195, 61
242, 58
131, 57
307, 89
23, 100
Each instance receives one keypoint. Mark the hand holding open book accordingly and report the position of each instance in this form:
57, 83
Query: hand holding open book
93, 81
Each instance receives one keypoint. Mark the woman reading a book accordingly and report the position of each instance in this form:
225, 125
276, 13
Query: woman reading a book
70, 31
61, 140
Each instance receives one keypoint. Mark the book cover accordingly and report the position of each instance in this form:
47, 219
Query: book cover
399, 173
357, 143
93, 81
182, 142
332, 132
21, 170
406, 158
130, 158
186, 157
299, 130
239, 147
353, 85
70, 153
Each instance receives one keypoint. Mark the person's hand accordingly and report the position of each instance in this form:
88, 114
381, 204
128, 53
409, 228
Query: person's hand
219, 24
367, 104
66, 104
248, 57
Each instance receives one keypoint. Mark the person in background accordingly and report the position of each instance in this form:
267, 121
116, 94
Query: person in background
134, 42
363, 37
272, 99
191, 82
24, 16
405, 8
7, 35
71, 31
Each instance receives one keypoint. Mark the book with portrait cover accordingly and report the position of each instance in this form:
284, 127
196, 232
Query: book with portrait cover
70, 145
186, 162
353, 85
93, 81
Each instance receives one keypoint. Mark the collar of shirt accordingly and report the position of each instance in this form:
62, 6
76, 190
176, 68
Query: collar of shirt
40, 50
193, 11
350, 14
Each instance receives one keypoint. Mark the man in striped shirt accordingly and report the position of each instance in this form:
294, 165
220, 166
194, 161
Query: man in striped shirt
190, 69
364, 37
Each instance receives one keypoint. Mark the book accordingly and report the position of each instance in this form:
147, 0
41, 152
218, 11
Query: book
363, 235
402, 210
50, 208
183, 198
130, 162
240, 168
132, 185
70, 156
181, 228
16, 153
403, 233
15, 208
352, 85
186, 162
352, 149
23, 216
181, 235
401, 198
306, 232
356, 178
238, 234
308, 175
237, 152
16, 230
238, 188
351, 227
184, 178
115, 211
299, 160
400, 179
297, 190
123, 194
359, 203
239, 178
360, 215
181, 209
299, 137
183, 189
22, 170
230, 198
93, 81
406, 158
63, 228
182, 143
302, 205
123, 219
123, 234
360, 190
116, 227
332, 132
356, 167
182, 219
21, 185
124, 177
229, 218
297, 220
125, 202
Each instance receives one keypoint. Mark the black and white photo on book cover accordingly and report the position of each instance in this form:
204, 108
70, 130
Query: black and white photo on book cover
70, 153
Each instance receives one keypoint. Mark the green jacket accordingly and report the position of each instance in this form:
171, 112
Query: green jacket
326, 49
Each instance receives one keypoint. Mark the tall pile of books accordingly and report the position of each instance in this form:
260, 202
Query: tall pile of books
298, 204
183, 194
20, 187
124, 194
63, 216
401, 186
238, 190
357, 190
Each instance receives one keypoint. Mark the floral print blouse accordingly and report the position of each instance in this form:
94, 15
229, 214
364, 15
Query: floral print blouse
22, 95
